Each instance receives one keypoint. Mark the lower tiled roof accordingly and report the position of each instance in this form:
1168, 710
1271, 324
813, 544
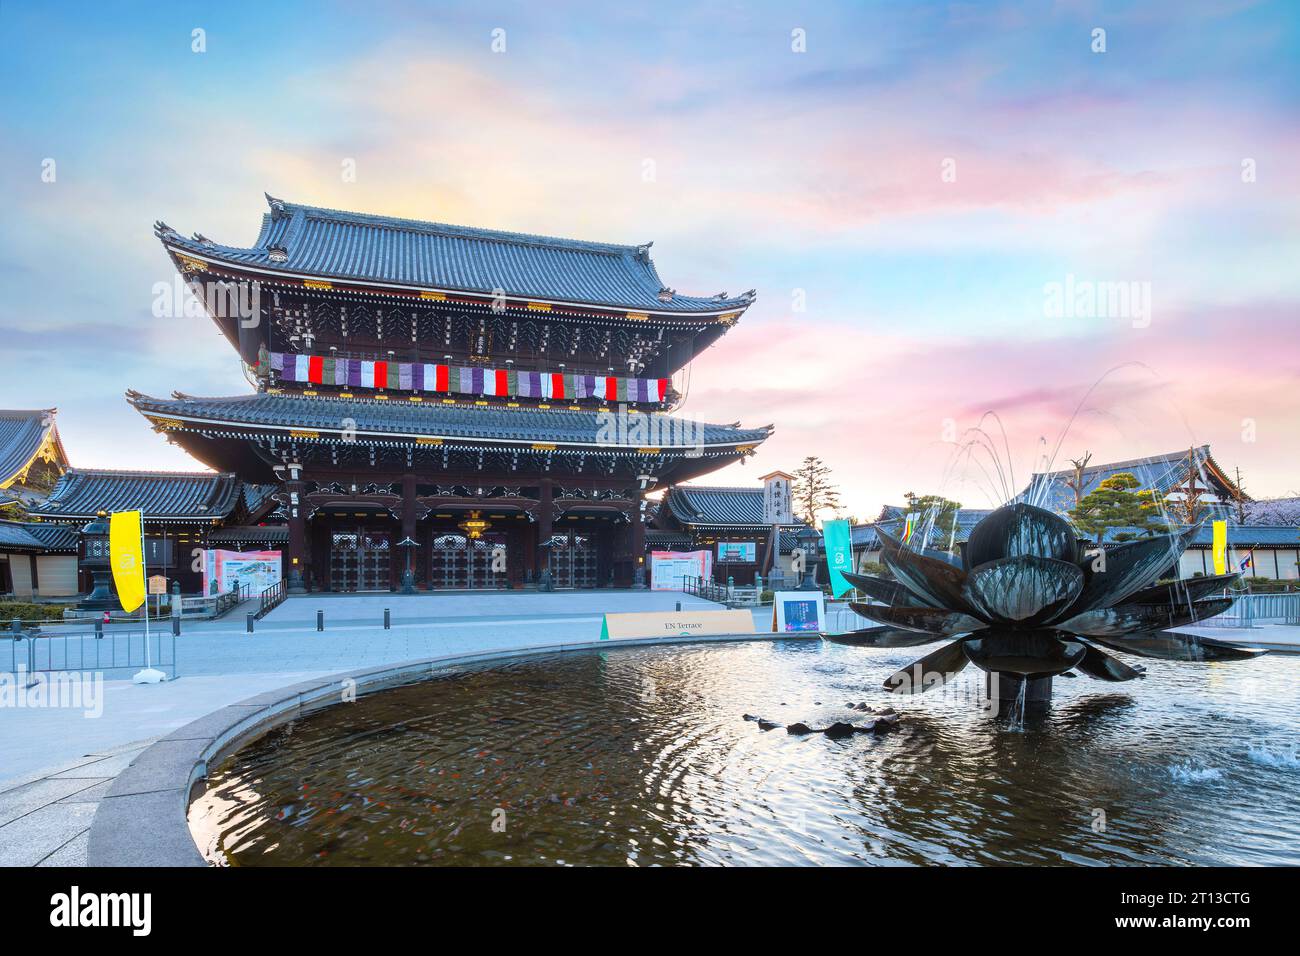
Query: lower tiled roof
711, 506
436, 419
32, 536
197, 496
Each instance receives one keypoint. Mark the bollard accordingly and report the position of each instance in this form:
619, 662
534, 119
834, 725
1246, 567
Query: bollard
176, 627
16, 626
320, 620
679, 605
388, 620
249, 617
99, 630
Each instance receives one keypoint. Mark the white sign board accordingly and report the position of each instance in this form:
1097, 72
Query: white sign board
670, 569
798, 611
258, 569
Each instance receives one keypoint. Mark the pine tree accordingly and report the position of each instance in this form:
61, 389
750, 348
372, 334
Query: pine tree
941, 509
813, 489
1119, 502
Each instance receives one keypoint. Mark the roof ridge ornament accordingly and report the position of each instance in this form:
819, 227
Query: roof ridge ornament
643, 251
277, 206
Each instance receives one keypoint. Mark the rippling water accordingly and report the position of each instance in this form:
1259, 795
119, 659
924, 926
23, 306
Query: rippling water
640, 756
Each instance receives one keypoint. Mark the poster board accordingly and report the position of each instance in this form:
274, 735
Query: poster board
258, 569
737, 552
669, 569
675, 624
795, 612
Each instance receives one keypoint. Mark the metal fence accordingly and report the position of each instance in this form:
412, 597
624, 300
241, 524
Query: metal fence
271, 599
117, 649
1250, 609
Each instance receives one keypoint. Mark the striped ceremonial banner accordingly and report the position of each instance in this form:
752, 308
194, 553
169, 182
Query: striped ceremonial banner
465, 380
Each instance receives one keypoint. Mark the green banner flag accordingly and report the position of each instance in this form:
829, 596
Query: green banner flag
839, 554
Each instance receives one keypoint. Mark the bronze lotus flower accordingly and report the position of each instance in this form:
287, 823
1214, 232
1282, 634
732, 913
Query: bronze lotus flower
1028, 599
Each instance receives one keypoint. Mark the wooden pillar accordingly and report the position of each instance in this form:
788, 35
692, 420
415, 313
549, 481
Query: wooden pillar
638, 541
545, 528
408, 532
297, 555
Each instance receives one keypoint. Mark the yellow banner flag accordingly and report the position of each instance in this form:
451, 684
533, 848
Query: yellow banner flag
124, 544
1220, 547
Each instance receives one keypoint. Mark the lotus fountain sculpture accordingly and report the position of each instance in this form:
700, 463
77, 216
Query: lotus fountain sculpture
1028, 600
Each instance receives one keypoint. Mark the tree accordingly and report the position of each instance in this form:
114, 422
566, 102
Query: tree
942, 510
1120, 502
813, 489
1075, 482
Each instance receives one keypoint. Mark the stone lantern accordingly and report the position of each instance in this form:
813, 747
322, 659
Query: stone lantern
93, 556
807, 537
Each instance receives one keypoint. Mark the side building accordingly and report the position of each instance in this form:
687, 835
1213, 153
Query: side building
448, 407
1263, 536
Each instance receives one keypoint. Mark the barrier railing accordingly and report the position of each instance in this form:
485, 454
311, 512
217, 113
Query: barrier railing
271, 598
32, 651
1250, 609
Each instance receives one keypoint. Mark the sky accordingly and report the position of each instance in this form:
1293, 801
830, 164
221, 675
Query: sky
985, 236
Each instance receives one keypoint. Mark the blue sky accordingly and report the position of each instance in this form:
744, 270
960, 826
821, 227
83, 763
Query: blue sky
817, 171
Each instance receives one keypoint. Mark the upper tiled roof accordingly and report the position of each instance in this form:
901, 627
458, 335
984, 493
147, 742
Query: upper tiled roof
395, 419
190, 495
328, 242
1161, 472
22, 433
704, 505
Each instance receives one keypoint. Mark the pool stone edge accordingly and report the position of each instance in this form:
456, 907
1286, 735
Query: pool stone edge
143, 820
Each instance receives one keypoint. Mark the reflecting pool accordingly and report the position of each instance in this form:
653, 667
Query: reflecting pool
642, 756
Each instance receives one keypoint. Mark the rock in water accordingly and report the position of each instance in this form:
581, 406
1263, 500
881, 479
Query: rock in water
840, 729
767, 724
798, 728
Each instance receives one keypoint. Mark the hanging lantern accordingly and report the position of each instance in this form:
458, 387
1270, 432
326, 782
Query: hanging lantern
474, 525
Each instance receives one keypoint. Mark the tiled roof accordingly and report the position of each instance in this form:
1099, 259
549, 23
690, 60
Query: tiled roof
702, 505
1250, 536
254, 534
864, 535
347, 245
22, 432
1162, 472
396, 419
15, 537
32, 536
198, 496
54, 537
